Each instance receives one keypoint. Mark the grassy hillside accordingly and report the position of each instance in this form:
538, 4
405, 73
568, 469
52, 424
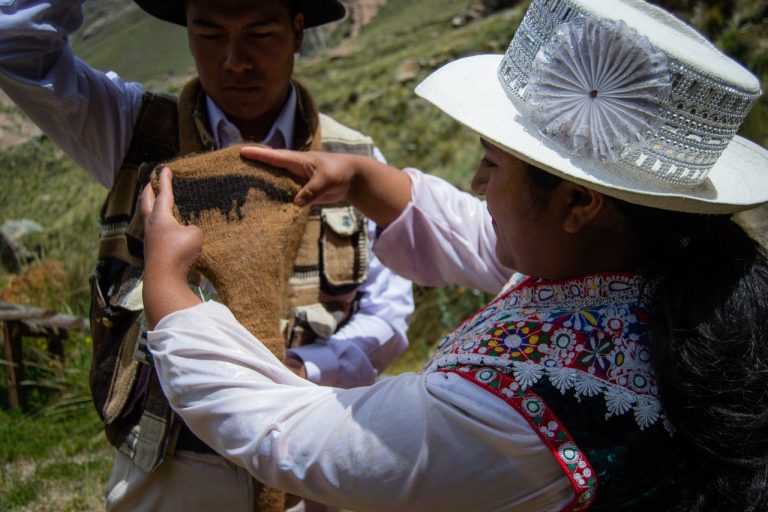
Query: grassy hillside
366, 82
119, 36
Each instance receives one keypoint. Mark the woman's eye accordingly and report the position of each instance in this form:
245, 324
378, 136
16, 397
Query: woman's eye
487, 163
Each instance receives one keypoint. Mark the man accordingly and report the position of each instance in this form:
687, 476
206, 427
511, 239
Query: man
244, 53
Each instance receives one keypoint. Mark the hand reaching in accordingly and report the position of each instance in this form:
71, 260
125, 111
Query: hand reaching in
379, 191
328, 175
170, 252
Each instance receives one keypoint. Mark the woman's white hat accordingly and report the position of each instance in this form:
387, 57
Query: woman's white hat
617, 95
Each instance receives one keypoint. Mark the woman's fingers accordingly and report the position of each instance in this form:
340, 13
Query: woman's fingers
301, 164
318, 189
165, 190
147, 202
327, 175
295, 162
153, 206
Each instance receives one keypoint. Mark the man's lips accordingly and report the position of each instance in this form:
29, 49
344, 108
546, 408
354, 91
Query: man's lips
242, 89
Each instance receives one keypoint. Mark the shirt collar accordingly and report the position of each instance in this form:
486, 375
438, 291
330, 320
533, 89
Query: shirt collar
226, 134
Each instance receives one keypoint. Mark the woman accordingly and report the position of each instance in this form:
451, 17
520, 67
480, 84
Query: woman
622, 366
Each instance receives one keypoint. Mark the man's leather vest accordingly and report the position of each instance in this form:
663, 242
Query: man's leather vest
331, 263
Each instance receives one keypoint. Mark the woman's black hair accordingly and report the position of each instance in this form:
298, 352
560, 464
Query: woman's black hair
709, 343
708, 282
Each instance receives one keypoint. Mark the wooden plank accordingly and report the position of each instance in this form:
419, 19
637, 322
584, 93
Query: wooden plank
54, 325
16, 314
37, 320
15, 370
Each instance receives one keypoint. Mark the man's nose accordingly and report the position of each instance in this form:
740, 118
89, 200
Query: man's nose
237, 58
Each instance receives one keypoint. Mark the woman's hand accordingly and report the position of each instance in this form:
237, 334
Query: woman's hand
379, 191
328, 176
170, 252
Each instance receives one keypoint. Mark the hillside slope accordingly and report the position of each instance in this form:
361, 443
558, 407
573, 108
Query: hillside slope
366, 81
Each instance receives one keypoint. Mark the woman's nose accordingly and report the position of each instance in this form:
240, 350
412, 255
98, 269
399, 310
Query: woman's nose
480, 181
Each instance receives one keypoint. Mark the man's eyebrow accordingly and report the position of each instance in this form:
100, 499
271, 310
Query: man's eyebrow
202, 22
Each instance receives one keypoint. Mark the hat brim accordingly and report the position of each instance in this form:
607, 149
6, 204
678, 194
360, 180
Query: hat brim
468, 90
316, 12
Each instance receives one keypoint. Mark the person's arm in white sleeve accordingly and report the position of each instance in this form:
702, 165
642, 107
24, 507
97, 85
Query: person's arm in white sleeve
87, 113
406, 443
443, 236
373, 337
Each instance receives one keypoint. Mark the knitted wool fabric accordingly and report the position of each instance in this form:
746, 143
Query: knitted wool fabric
251, 234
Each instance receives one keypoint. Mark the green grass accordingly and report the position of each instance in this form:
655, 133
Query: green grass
54, 455
139, 47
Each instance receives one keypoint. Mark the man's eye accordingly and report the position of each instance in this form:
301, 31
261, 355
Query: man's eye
487, 163
210, 37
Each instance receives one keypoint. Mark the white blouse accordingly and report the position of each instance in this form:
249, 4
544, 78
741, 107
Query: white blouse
407, 443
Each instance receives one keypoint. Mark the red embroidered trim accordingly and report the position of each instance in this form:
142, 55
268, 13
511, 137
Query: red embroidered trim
547, 425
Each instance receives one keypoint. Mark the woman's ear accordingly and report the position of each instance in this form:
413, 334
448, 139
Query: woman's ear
582, 206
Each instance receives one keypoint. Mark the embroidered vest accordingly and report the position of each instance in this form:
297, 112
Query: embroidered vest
571, 357
331, 264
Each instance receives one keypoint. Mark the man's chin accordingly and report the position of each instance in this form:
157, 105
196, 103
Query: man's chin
239, 115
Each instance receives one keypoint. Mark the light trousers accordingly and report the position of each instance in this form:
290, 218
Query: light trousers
187, 482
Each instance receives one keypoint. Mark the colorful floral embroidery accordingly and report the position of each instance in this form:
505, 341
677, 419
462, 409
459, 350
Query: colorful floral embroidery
586, 335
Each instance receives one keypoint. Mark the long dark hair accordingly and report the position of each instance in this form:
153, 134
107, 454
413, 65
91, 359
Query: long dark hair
709, 342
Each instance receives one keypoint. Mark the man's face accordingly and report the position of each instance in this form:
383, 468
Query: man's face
244, 51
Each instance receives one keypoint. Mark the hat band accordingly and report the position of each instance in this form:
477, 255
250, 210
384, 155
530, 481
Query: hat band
599, 89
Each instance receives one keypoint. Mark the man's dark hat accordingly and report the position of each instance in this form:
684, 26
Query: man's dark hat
316, 12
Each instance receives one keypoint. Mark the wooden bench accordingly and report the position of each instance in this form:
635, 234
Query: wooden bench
17, 321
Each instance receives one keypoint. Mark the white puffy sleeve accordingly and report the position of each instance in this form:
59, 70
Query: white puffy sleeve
412, 442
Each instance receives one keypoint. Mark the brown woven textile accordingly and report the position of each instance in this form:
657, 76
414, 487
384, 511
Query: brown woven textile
251, 233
